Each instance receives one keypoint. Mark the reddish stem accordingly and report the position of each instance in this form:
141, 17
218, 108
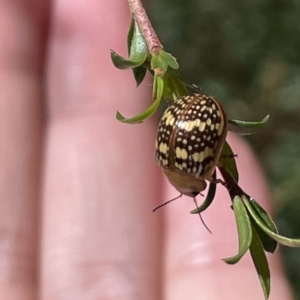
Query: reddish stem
140, 16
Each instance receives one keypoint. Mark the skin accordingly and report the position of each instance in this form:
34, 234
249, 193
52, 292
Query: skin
77, 187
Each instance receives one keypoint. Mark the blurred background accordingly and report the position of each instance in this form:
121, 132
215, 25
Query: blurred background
247, 54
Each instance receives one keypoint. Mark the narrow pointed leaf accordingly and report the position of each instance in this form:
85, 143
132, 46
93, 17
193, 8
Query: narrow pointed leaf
121, 62
163, 61
244, 230
261, 263
158, 87
139, 74
209, 197
269, 244
228, 162
137, 50
279, 238
142, 116
246, 128
264, 215
168, 93
176, 85
138, 46
130, 35
169, 59
158, 64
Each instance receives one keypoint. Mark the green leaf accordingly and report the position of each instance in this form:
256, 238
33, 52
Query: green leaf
121, 62
209, 197
158, 86
228, 162
263, 215
246, 128
260, 262
244, 230
142, 116
137, 50
130, 34
169, 59
139, 74
138, 46
162, 61
279, 238
269, 244
175, 84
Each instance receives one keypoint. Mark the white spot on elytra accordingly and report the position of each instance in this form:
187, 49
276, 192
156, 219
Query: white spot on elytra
163, 148
202, 126
181, 153
189, 126
196, 156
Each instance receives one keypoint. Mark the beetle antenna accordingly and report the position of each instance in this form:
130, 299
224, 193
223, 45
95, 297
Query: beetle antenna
165, 203
201, 219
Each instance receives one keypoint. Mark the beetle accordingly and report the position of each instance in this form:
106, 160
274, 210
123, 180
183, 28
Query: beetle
189, 141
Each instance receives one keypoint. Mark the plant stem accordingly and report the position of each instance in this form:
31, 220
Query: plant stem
140, 16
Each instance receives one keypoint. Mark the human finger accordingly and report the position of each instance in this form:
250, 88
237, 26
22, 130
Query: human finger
23, 34
193, 265
100, 238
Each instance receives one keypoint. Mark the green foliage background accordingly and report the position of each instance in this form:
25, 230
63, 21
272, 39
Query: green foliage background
247, 54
